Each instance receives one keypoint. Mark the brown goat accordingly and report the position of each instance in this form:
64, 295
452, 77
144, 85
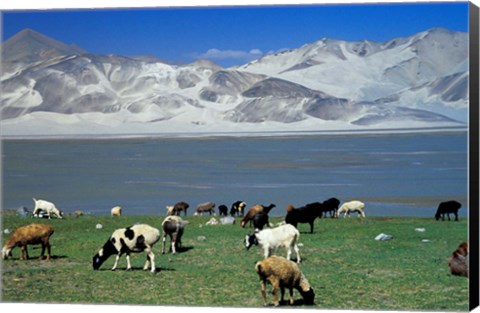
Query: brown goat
253, 211
32, 234
458, 262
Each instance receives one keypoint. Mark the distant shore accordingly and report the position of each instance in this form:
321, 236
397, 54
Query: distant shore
234, 134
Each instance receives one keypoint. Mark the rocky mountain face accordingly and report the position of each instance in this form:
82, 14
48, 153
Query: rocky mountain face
419, 80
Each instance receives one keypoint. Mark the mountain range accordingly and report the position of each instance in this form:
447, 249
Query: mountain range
420, 81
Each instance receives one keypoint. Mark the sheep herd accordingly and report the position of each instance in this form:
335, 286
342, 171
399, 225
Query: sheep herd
280, 272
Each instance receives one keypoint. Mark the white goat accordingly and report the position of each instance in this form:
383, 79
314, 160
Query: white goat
48, 207
137, 238
352, 206
272, 238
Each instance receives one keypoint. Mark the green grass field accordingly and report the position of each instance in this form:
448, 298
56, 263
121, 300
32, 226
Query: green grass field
345, 265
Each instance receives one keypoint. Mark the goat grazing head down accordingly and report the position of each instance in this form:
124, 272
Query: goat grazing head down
250, 240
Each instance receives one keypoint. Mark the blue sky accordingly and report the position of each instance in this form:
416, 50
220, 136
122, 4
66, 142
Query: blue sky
231, 35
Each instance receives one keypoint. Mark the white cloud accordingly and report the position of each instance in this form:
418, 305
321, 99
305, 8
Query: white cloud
216, 54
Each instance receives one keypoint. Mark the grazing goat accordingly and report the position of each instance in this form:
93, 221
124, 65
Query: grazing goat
205, 207
237, 208
47, 207
136, 238
222, 210
459, 260
253, 211
282, 273
330, 206
272, 238
177, 208
173, 226
447, 208
305, 214
352, 206
116, 211
32, 234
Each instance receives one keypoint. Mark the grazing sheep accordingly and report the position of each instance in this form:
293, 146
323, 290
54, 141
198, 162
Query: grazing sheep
253, 211
282, 273
237, 208
223, 210
459, 260
136, 238
260, 220
352, 206
205, 207
272, 238
305, 214
116, 211
47, 207
447, 208
173, 226
331, 206
32, 234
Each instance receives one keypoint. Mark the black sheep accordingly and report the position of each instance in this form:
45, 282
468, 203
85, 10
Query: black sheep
305, 214
447, 208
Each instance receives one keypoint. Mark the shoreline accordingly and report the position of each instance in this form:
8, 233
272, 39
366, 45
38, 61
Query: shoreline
237, 134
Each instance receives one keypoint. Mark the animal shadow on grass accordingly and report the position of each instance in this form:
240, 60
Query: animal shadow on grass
184, 249
136, 269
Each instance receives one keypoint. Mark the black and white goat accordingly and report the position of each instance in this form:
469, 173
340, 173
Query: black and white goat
136, 238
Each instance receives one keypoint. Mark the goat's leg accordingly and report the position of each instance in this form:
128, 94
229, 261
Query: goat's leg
297, 251
47, 244
291, 295
263, 288
266, 252
151, 260
275, 285
448, 215
117, 257
24, 252
43, 251
311, 226
456, 216
164, 239
129, 265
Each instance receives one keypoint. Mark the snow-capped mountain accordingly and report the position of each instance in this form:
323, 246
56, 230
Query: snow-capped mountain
52, 88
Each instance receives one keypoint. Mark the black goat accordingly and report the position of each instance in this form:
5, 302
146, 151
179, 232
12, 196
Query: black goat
260, 220
447, 208
305, 214
330, 206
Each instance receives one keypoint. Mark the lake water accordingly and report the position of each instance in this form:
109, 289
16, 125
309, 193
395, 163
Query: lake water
395, 175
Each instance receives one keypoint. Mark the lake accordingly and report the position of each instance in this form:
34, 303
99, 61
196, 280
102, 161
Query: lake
395, 174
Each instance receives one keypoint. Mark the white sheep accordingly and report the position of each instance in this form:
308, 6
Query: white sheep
272, 238
352, 206
173, 226
136, 238
48, 207
282, 273
116, 211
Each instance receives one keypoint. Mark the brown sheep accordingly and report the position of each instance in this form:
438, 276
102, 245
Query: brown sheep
458, 262
32, 234
282, 273
253, 211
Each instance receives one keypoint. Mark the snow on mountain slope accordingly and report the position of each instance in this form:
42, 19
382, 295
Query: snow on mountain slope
419, 81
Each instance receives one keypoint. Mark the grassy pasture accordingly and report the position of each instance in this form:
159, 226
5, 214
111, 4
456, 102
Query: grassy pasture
345, 265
